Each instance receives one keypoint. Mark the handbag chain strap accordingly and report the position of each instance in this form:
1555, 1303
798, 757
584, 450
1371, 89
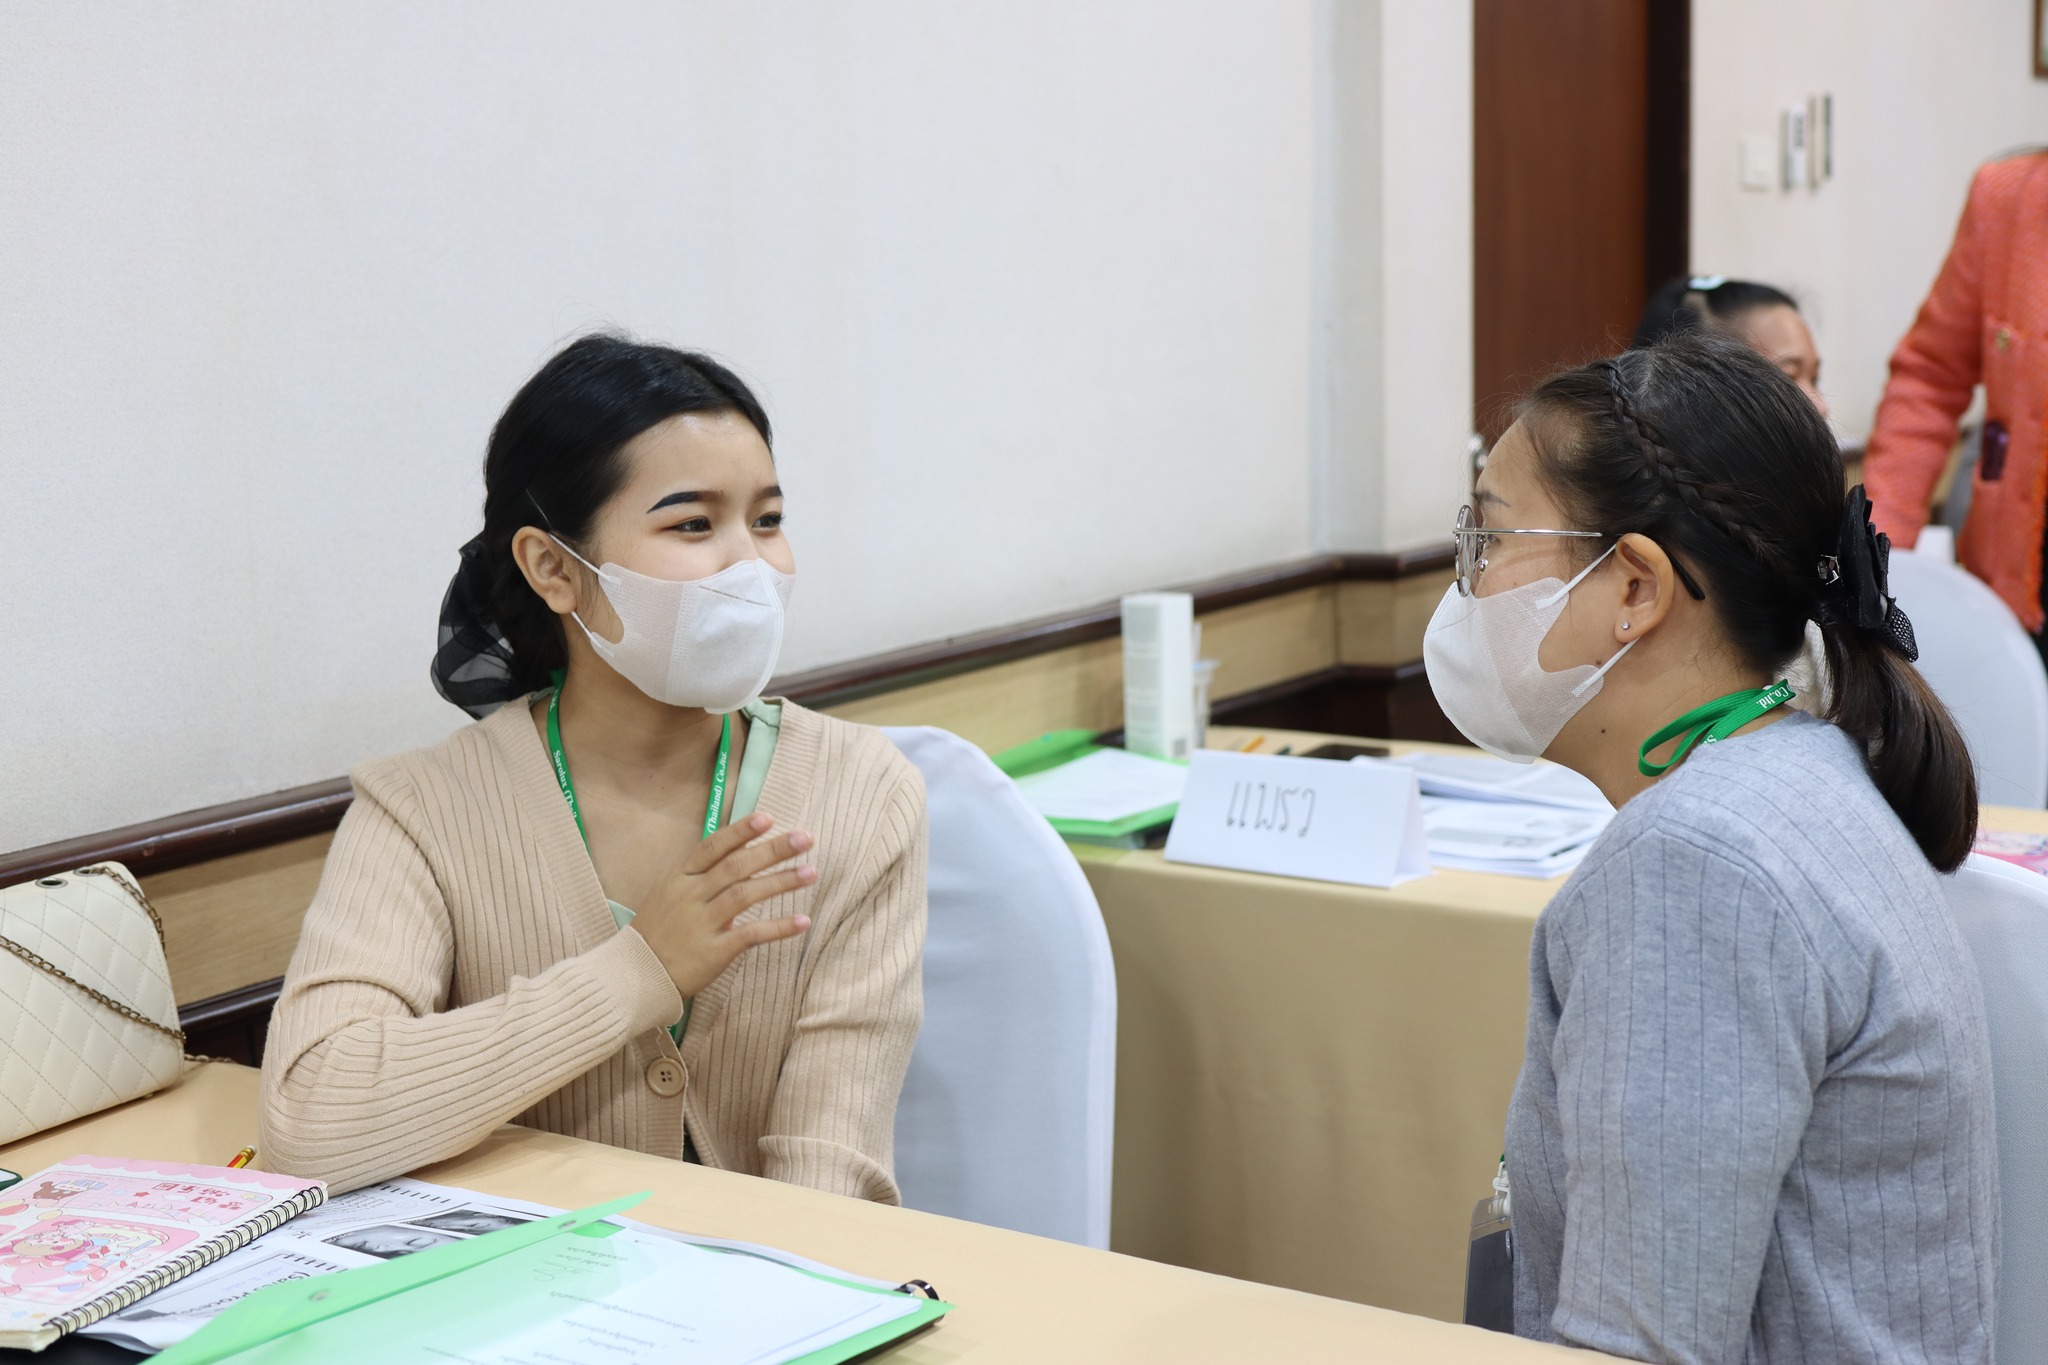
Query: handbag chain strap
99, 997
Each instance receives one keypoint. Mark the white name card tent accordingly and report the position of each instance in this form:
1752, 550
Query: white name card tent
1357, 822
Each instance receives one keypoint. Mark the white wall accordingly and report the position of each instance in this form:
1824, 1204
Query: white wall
1393, 262
1026, 287
1924, 93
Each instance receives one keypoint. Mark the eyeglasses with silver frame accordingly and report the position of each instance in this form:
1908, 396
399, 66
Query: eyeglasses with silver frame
1473, 541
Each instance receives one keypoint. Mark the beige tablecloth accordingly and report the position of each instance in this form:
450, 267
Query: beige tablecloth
1312, 1079
1019, 1298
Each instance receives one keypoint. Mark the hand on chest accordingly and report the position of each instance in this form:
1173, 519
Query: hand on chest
637, 846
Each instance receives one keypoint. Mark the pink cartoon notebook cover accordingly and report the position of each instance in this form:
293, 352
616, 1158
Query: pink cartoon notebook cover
89, 1236
2028, 850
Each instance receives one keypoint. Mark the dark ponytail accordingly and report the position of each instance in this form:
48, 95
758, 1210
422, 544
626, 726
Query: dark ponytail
556, 457
1694, 301
1708, 449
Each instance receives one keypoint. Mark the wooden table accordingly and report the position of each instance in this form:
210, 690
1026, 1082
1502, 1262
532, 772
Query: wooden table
1019, 1298
1313, 1079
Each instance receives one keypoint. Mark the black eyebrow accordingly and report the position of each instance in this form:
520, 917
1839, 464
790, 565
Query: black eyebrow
1486, 497
687, 495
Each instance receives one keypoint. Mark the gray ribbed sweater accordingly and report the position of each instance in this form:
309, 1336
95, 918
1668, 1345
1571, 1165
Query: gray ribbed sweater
1754, 1120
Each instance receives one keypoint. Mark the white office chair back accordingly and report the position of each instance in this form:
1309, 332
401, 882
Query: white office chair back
1982, 664
2003, 911
1006, 1116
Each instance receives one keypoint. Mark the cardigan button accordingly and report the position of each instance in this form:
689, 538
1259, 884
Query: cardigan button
666, 1077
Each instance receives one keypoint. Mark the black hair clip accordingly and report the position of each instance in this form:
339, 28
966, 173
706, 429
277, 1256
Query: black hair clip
1859, 592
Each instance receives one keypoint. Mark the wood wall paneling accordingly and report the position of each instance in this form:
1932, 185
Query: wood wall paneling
1258, 644
1078, 686
235, 920
1382, 624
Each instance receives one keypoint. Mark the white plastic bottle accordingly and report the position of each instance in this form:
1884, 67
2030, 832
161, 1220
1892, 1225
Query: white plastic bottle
1159, 674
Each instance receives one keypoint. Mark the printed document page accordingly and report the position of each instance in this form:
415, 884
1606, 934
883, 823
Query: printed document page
363, 1227
356, 1229
1510, 837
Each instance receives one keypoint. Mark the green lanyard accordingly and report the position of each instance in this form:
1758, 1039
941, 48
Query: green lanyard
712, 810
1711, 724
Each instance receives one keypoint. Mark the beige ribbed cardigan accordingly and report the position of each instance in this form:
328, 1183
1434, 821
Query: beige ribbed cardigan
460, 967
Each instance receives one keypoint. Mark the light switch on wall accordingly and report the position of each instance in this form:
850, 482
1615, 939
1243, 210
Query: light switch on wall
1823, 138
1759, 162
1792, 124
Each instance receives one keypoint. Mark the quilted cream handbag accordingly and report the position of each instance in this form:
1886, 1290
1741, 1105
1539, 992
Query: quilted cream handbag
87, 1017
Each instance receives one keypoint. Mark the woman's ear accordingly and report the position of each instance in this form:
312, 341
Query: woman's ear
549, 571
1649, 586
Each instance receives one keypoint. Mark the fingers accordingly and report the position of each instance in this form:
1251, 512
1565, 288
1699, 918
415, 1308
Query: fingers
734, 836
745, 862
736, 899
760, 931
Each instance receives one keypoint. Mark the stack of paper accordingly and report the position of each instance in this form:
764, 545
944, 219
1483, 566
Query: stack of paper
1106, 794
1514, 837
1481, 777
1483, 814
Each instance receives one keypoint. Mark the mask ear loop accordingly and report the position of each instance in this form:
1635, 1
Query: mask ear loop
574, 615
1601, 671
1580, 577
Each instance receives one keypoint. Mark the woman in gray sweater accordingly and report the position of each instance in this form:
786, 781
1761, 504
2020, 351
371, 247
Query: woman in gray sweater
1754, 1120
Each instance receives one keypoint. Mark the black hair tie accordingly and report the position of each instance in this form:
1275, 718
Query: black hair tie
472, 659
1856, 581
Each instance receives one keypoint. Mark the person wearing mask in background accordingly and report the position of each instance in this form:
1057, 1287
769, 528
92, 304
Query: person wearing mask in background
1984, 322
1754, 1118
635, 903
1768, 321
1763, 317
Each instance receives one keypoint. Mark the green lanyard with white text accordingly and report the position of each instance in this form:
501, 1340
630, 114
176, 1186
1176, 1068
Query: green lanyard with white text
712, 810
1711, 724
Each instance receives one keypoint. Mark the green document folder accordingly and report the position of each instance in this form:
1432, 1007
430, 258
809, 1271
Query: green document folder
376, 1310
1064, 746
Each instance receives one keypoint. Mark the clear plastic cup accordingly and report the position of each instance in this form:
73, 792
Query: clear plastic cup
1205, 675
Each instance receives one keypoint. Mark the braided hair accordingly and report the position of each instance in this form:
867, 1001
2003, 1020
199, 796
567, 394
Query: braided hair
1708, 449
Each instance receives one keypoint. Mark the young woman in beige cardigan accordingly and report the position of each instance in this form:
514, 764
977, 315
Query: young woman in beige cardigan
635, 903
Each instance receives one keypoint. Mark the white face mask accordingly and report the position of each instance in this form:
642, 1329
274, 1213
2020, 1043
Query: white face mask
709, 642
1480, 654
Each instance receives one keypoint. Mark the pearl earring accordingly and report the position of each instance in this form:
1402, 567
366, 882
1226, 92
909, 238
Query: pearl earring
1624, 625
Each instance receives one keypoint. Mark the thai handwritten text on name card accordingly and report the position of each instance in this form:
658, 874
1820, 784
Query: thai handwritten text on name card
1301, 817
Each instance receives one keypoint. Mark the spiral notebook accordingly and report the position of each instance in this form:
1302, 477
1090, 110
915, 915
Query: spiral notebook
89, 1236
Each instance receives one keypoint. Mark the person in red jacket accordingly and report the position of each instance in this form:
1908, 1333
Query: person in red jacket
1985, 321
